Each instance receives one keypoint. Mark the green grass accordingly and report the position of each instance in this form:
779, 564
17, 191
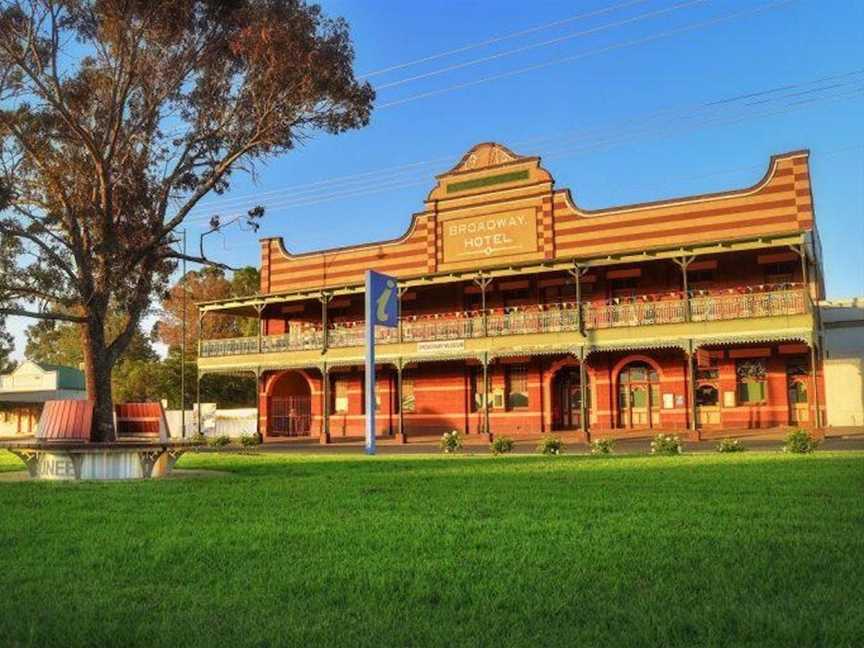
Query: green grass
760, 549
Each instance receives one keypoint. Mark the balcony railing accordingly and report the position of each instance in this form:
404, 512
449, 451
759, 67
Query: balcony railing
548, 318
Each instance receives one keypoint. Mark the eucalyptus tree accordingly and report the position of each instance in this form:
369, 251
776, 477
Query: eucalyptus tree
118, 116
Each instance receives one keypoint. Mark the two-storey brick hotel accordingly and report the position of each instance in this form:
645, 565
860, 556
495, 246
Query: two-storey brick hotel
522, 313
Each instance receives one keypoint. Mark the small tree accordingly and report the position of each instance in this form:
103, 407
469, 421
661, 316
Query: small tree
118, 116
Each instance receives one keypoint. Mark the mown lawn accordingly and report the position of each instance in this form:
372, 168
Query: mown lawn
759, 549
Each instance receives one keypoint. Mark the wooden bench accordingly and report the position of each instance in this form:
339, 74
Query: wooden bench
140, 421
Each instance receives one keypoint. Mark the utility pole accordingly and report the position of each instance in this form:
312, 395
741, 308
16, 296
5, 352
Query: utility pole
183, 345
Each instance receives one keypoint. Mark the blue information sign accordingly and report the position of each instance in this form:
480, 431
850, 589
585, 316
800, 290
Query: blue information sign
382, 309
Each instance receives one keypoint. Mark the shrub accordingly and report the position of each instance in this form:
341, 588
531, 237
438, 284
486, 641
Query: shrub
550, 445
800, 442
218, 441
502, 445
666, 444
250, 440
199, 439
451, 441
730, 445
602, 446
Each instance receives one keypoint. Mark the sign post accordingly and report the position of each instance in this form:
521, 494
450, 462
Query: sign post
381, 310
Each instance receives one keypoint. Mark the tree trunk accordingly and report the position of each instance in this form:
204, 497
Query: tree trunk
97, 369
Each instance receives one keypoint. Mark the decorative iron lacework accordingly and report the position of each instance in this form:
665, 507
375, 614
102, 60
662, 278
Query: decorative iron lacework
751, 370
476, 183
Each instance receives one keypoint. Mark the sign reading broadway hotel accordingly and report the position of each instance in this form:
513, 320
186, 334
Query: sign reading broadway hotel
490, 235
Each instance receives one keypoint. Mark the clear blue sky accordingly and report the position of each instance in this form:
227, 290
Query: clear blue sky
623, 120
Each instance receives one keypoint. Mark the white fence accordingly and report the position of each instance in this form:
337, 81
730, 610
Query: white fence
214, 422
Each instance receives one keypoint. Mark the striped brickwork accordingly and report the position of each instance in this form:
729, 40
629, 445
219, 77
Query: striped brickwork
779, 204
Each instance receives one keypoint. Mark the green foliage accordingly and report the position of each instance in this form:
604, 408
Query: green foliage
501, 445
731, 445
655, 549
550, 445
250, 440
7, 347
602, 447
219, 441
60, 343
451, 442
199, 439
800, 442
666, 444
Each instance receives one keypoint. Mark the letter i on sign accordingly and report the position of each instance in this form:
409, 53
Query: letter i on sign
382, 309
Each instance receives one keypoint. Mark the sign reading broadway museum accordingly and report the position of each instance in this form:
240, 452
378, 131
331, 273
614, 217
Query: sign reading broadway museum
478, 237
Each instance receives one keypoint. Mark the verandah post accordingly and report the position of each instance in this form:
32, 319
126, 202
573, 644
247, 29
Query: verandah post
684, 263
483, 282
486, 425
691, 392
577, 272
583, 391
325, 404
401, 419
325, 298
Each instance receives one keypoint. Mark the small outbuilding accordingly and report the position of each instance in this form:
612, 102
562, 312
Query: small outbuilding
24, 391
843, 320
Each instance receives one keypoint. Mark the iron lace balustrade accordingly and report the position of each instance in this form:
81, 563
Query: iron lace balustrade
546, 318
637, 313
229, 347
747, 305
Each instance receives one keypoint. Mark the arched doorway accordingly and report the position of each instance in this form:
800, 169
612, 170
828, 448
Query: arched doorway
566, 399
290, 405
638, 396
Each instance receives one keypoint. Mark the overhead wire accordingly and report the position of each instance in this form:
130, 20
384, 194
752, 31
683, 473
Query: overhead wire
591, 52
546, 43
614, 132
497, 39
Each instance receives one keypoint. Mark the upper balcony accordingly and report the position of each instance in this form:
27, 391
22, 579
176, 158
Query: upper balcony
641, 313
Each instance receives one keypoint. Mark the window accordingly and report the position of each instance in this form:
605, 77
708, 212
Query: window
340, 396
517, 297
798, 392
408, 402
707, 396
624, 287
750, 375
696, 278
517, 386
780, 272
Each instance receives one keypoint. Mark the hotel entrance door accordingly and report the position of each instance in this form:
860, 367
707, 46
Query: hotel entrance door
567, 395
638, 397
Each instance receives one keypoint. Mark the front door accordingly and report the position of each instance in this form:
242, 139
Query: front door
638, 397
567, 399
797, 382
799, 405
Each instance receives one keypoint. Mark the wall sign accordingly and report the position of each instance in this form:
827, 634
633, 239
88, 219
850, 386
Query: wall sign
441, 346
493, 235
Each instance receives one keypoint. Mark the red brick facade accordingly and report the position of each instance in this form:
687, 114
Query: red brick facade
691, 314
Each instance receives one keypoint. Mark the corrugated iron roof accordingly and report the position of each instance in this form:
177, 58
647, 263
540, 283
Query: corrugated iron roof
69, 420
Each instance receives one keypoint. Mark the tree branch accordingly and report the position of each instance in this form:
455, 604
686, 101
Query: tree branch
20, 312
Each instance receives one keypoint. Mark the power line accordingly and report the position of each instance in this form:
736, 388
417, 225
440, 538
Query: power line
553, 41
372, 179
353, 177
817, 155
555, 154
498, 39
585, 54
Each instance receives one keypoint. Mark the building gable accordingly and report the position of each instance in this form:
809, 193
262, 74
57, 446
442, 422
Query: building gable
495, 208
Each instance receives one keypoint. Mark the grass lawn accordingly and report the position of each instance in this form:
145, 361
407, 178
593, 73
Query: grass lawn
759, 548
